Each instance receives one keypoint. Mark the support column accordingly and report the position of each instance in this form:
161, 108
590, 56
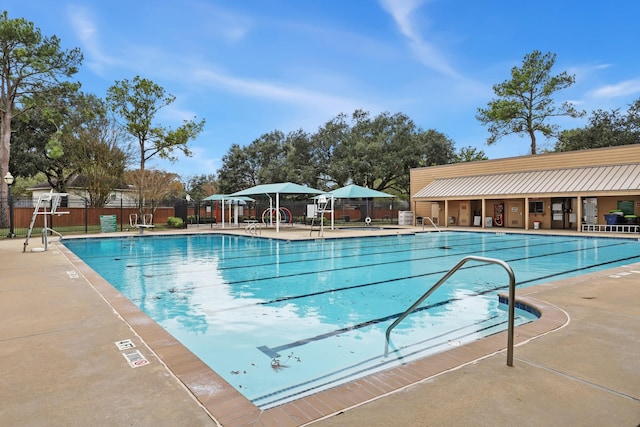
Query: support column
446, 213
579, 214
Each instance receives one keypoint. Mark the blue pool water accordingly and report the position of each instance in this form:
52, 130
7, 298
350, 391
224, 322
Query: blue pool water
281, 319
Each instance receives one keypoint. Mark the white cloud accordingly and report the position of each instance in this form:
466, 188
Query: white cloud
402, 12
274, 92
622, 89
176, 114
220, 22
86, 31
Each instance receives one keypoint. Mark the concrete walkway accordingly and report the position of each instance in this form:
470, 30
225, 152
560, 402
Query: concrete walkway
60, 365
585, 374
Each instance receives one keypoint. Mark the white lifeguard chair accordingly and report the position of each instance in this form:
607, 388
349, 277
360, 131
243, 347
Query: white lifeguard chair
320, 209
54, 200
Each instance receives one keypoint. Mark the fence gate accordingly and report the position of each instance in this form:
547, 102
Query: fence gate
181, 212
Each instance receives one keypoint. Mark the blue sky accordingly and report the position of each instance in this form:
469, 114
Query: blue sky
253, 66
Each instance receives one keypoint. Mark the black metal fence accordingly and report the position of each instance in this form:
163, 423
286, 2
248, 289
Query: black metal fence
17, 213
78, 217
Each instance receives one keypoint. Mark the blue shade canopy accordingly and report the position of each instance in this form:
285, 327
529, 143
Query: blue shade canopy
279, 188
357, 192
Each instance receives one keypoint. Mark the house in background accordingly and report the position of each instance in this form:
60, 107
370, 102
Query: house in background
577, 190
78, 195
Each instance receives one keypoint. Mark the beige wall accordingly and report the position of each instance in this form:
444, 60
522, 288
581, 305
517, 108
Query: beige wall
606, 204
544, 219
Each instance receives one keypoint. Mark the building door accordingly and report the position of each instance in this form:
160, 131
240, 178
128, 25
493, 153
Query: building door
515, 215
590, 210
560, 213
435, 212
464, 214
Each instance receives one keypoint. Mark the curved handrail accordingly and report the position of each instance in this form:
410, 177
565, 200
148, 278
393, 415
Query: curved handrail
512, 295
252, 228
432, 223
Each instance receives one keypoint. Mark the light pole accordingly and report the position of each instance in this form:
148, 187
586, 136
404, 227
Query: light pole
8, 178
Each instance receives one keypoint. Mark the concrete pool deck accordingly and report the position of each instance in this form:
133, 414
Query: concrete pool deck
60, 365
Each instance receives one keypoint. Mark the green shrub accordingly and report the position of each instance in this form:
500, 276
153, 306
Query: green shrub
175, 222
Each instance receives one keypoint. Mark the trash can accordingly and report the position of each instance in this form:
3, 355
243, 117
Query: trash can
536, 225
611, 219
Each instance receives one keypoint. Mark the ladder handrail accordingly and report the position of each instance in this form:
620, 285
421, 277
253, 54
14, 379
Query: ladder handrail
432, 223
45, 239
253, 228
512, 295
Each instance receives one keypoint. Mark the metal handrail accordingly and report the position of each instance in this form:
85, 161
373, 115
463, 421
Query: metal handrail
512, 297
252, 228
45, 238
432, 223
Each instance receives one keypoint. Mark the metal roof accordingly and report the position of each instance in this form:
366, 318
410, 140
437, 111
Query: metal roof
577, 180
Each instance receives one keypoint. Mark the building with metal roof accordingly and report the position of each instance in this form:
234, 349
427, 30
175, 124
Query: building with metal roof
589, 190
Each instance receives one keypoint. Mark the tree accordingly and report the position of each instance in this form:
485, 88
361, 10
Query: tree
137, 102
159, 185
30, 64
266, 155
470, 154
263, 161
373, 152
525, 102
72, 138
236, 173
200, 186
325, 143
605, 129
45, 136
95, 149
301, 164
31, 133
378, 153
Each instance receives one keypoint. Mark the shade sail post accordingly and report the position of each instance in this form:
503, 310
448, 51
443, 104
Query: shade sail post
277, 213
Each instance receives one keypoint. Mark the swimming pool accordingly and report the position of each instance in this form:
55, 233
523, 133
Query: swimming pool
279, 319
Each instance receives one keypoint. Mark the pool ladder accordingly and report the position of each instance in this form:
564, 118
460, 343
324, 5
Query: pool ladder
420, 221
463, 261
253, 228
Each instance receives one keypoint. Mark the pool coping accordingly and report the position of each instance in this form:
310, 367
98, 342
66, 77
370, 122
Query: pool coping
230, 408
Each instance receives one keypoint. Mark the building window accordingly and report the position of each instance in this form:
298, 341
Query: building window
536, 207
